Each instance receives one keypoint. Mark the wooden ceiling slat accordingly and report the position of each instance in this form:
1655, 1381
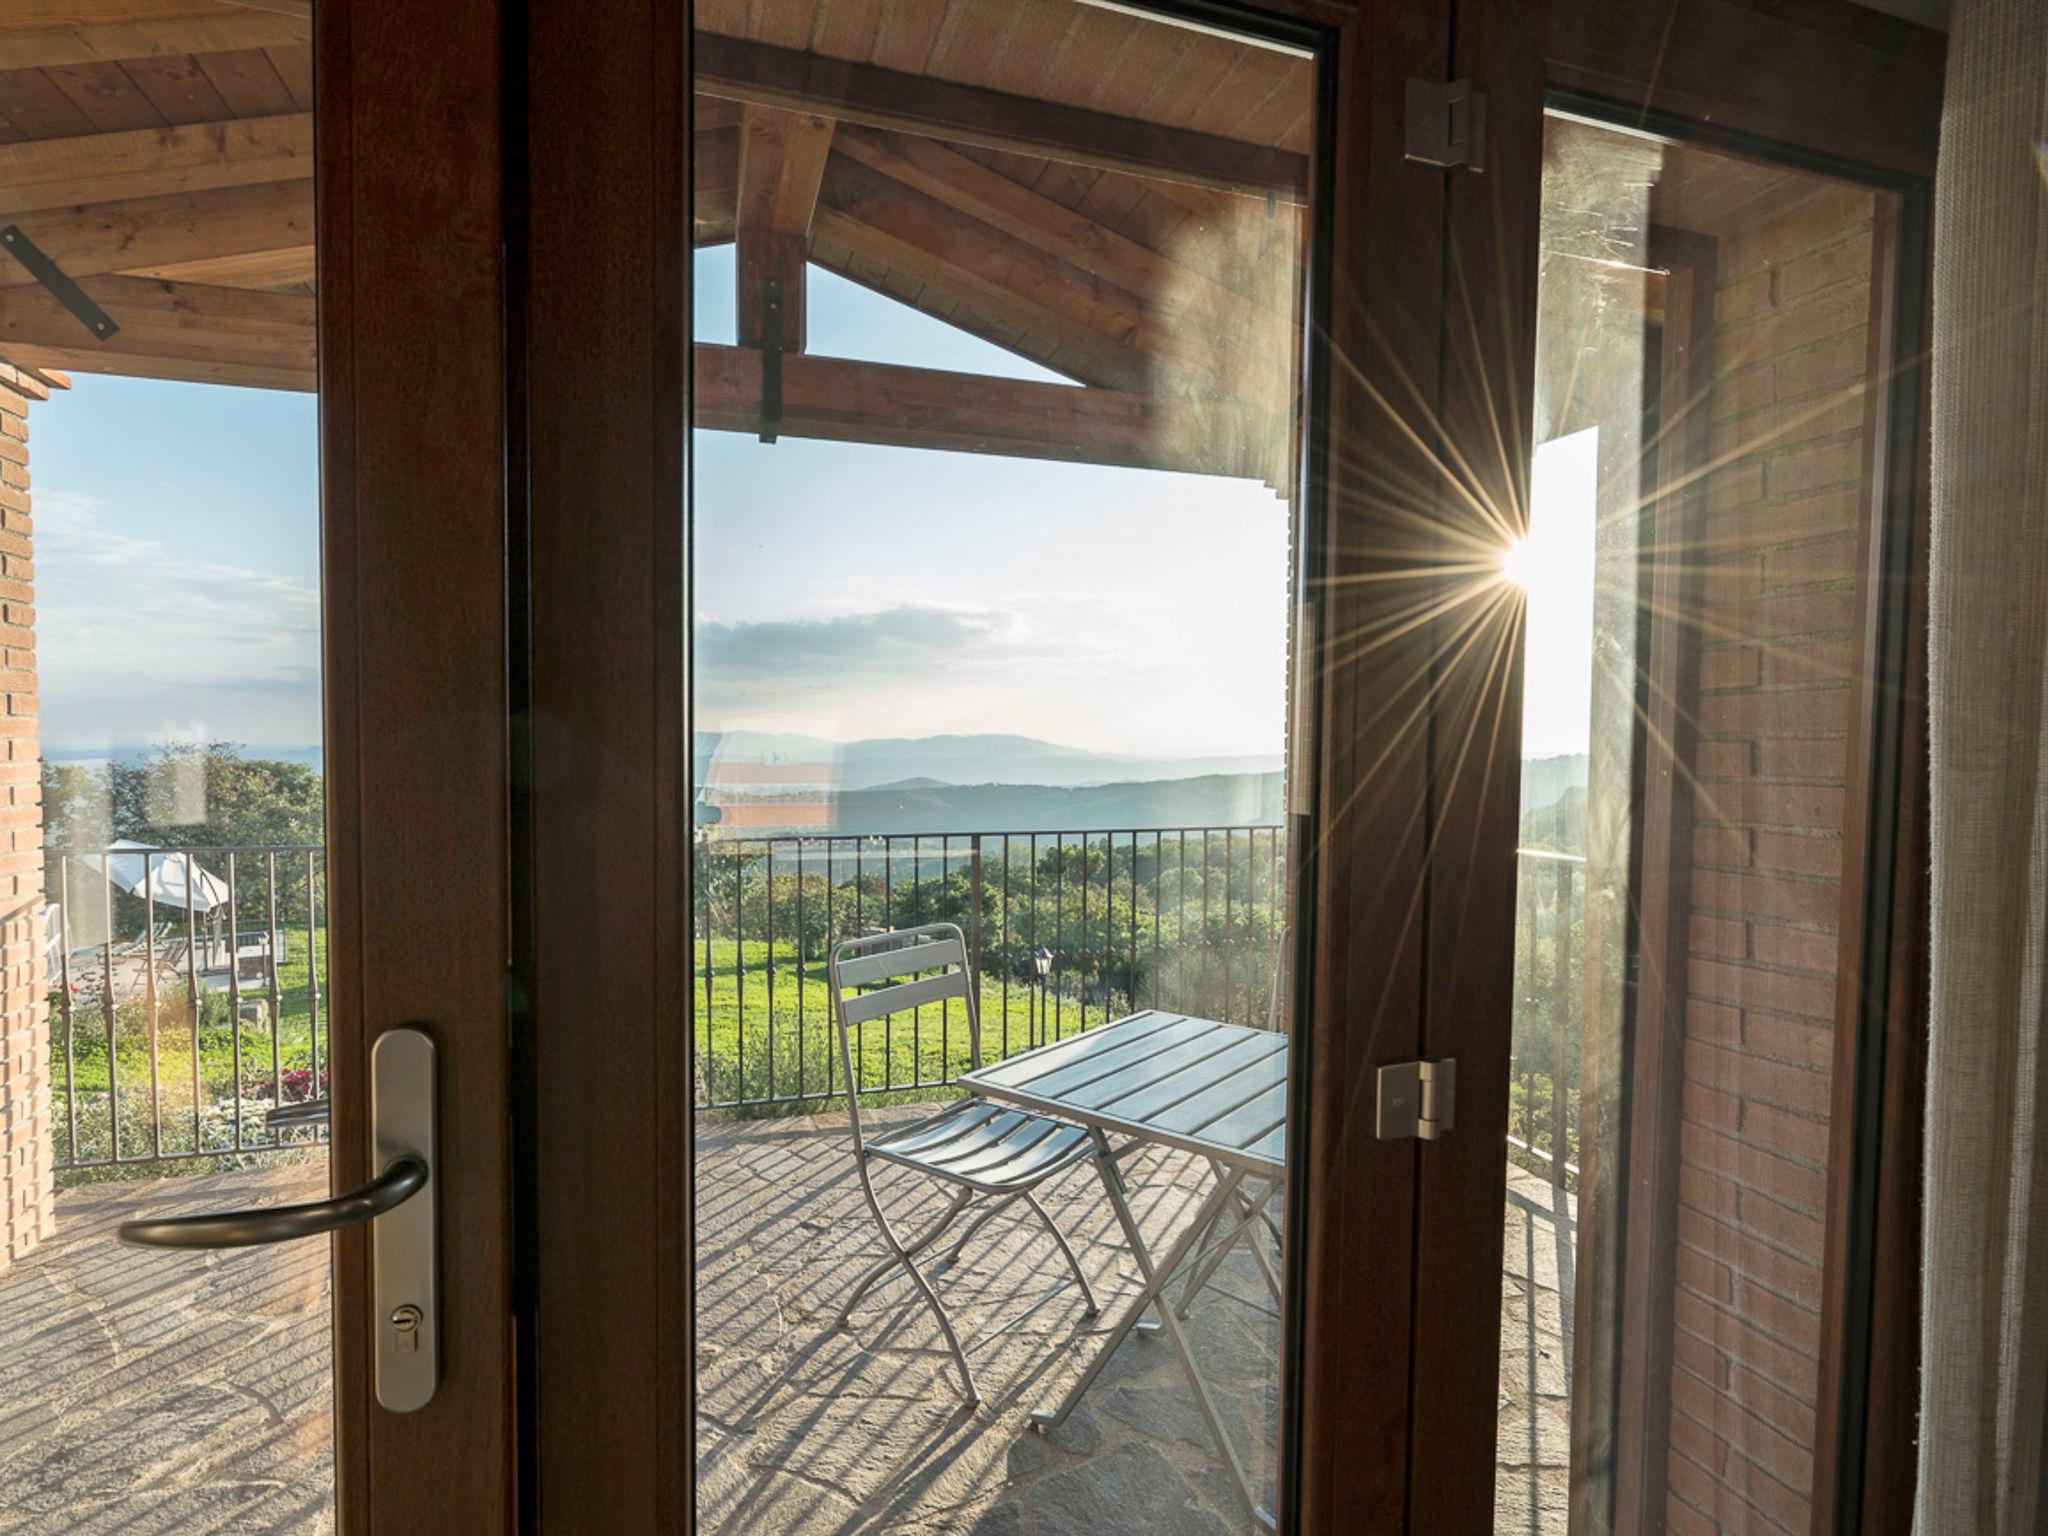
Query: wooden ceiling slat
971, 37
784, 23
1035, 36
248, 82
1236, 106
113, 167
35, 33
904, 40
286, 269
34, 105
1176, 97
136, 364
105, 94
294, 67
164, 323
159, 231
1090, 46
179, 89
844, 29
1151, 53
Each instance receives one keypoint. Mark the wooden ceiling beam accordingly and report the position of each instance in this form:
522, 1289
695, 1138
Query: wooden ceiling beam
291, 267
736, 69
153, 232
838, 400
1245, 341
167, 330
715, 184
154, 162
781, 161
1116, 339
35, 34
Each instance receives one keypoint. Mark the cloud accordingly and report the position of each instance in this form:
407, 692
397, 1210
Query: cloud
131, 631
898, 642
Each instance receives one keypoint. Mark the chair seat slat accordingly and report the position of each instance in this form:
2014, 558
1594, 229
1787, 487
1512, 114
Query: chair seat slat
943, 1128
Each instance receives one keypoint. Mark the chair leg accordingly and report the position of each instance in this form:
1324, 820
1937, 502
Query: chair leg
1073, 1263
899, 1253
952, 1255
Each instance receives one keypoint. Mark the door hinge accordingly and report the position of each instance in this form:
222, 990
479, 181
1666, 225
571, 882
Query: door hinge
1446, 125
1417, 1098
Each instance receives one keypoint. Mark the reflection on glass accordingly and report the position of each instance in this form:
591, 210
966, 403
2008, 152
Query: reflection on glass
1693, 608
994, 475
163, 944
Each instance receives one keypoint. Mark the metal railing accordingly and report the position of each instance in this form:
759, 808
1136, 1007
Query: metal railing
186, 985
1186, 918
1543, 1115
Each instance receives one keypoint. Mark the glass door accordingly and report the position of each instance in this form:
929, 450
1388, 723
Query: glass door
1704, 602
251, 1259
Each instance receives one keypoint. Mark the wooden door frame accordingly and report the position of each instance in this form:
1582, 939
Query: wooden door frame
1410, 882
411, 372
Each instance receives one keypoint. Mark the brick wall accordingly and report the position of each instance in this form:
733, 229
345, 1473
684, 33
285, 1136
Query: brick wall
25, 1125
1780, 603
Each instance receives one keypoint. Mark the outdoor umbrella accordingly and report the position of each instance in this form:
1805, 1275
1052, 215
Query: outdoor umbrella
173, 878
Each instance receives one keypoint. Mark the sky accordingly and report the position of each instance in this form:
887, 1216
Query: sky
850, 591
177, 565
841, 590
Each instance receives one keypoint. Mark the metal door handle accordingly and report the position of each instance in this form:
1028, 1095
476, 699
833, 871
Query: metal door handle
406, 1177
398, 1203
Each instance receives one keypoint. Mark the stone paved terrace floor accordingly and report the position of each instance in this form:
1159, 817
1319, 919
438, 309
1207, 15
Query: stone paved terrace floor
147, 1392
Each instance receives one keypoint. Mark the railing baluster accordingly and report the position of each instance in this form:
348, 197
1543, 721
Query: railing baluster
107, 1005
192, 997
64, 967
156, 1099
313, 962
234, 981
272, 942
768, 914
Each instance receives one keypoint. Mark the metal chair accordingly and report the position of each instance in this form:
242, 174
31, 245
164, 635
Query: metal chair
982, 1149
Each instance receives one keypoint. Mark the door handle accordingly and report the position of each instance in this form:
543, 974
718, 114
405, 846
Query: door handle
406, 1177
398, 1204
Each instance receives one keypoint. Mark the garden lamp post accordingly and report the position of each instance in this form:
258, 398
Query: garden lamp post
1041, 963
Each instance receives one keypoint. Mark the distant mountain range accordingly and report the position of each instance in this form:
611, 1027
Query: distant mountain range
756, 759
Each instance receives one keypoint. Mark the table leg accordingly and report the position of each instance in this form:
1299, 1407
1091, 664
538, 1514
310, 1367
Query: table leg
1153, 1292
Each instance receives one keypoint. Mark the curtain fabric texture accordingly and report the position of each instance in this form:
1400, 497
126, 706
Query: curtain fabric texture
1985, 1361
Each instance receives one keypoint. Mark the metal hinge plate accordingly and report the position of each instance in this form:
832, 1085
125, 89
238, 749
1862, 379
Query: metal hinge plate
1417, 1099
1446, 125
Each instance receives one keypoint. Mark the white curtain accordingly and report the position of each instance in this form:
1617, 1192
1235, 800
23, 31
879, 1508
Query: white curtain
1984, 1393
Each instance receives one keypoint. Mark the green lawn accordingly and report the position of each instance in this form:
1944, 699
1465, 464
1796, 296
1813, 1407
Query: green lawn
163, 1056
790, 1047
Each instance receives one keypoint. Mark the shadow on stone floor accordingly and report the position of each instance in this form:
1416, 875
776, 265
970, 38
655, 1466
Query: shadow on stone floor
149, 1392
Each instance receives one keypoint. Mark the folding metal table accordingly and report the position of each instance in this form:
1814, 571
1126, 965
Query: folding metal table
1213, 1089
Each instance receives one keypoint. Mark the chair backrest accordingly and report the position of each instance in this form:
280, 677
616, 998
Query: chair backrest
905, 969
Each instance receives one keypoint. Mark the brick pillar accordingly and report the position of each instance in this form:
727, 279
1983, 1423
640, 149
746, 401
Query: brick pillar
27, 1148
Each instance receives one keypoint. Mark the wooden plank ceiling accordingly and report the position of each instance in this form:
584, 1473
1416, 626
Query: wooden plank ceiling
1117, 199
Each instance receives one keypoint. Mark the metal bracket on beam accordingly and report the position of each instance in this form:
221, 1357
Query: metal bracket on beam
1446, 125
45, 271
771, 358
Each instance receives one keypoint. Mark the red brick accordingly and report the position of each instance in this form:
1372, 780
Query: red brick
1819, 759
1713, 1022
1709, 1106
1756, 1261
1792, 1040
1729, 580
1797, 948
1706, 1191
1781, 1224
1799, 855
1725, 759
1777, 523
1722, 936
1800, 613
1793, 1134
1738, 667
1752, 1167
1784, 711
1753, 1077
1809, 808
1766, 896
1728, 847
1783, 1365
